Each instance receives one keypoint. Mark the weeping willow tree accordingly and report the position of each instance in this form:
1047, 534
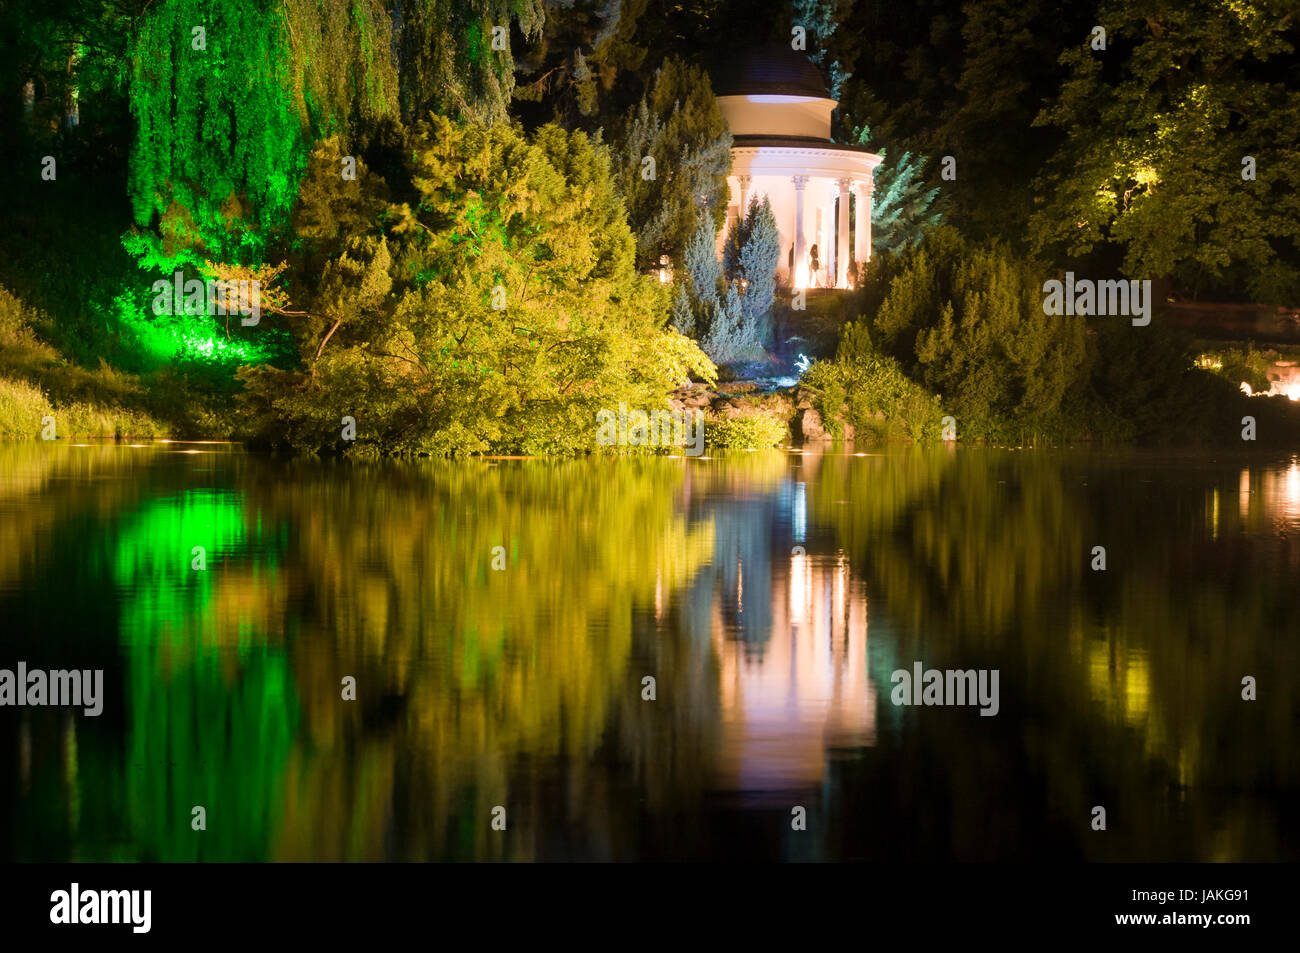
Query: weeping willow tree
456, 58
228, 96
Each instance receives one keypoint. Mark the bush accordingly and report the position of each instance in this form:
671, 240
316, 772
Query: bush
966, 321
96, 420
870, 391
496, 311
756, 429
1239, 365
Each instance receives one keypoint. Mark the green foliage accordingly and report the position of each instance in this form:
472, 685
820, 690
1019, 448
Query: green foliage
497, 311
585, 48
223, 132
704, 272
903, 207
678, 124
342, 72
731, 324
754, 429
964, 80
1153, 392
869, 390
966, 321
1246, 364
1154, 145
22, 407
37, 380
759, 253
448, 62
219, 146
727, 335
682, 317
821, 19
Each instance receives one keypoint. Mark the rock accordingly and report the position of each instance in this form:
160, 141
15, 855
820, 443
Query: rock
810, 426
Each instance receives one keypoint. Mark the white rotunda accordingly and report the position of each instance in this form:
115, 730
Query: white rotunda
776, 103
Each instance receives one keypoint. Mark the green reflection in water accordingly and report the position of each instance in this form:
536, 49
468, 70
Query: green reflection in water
208, 726
521, 687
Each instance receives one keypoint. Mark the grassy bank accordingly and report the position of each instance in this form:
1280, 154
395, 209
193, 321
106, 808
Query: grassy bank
39, 386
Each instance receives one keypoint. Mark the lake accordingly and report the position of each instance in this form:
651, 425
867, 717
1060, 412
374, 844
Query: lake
651, 658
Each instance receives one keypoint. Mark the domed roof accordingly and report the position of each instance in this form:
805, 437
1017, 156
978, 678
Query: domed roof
773, 70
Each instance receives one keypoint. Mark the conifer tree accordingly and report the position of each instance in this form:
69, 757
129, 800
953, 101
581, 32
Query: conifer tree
758, 260
679, 127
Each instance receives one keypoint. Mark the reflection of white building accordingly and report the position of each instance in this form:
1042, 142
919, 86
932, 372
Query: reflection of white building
776, 104
807, 692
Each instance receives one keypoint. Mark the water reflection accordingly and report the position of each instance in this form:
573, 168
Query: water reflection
770, 597
806, 691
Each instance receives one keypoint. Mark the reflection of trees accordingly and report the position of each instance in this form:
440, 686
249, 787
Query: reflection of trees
212, 707
522, 687
42, 487
952, 541
461, 669
983, 559
205, 703
468, 678
747, 502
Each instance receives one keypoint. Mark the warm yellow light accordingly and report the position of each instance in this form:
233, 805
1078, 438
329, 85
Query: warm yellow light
801, 276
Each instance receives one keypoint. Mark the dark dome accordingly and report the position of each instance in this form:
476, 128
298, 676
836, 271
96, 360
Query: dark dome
773, 69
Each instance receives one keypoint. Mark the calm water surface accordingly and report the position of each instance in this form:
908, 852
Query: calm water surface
770, 596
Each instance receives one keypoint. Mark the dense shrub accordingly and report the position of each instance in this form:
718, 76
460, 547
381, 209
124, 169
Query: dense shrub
729, 302
678, 124
754, 429
22, 408
966, 321
1240, 365
870, 391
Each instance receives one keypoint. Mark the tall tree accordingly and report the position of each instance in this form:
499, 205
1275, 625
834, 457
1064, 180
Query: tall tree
456, 55
673, 156
965, 320
904, 206
954, 81
497, 309
1182, 146
759, 255
227, 97
583, 50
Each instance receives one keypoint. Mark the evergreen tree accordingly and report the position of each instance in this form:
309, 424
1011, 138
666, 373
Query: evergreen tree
496, 310
733, 321
758, 260
965, 320
965, 80
701, 262
679, 126
903, 208
733, 246
456, 56
683, 314
828, 46
583, 50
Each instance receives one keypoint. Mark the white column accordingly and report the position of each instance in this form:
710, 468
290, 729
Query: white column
744, 194
862, 239
799, 248
842, 242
